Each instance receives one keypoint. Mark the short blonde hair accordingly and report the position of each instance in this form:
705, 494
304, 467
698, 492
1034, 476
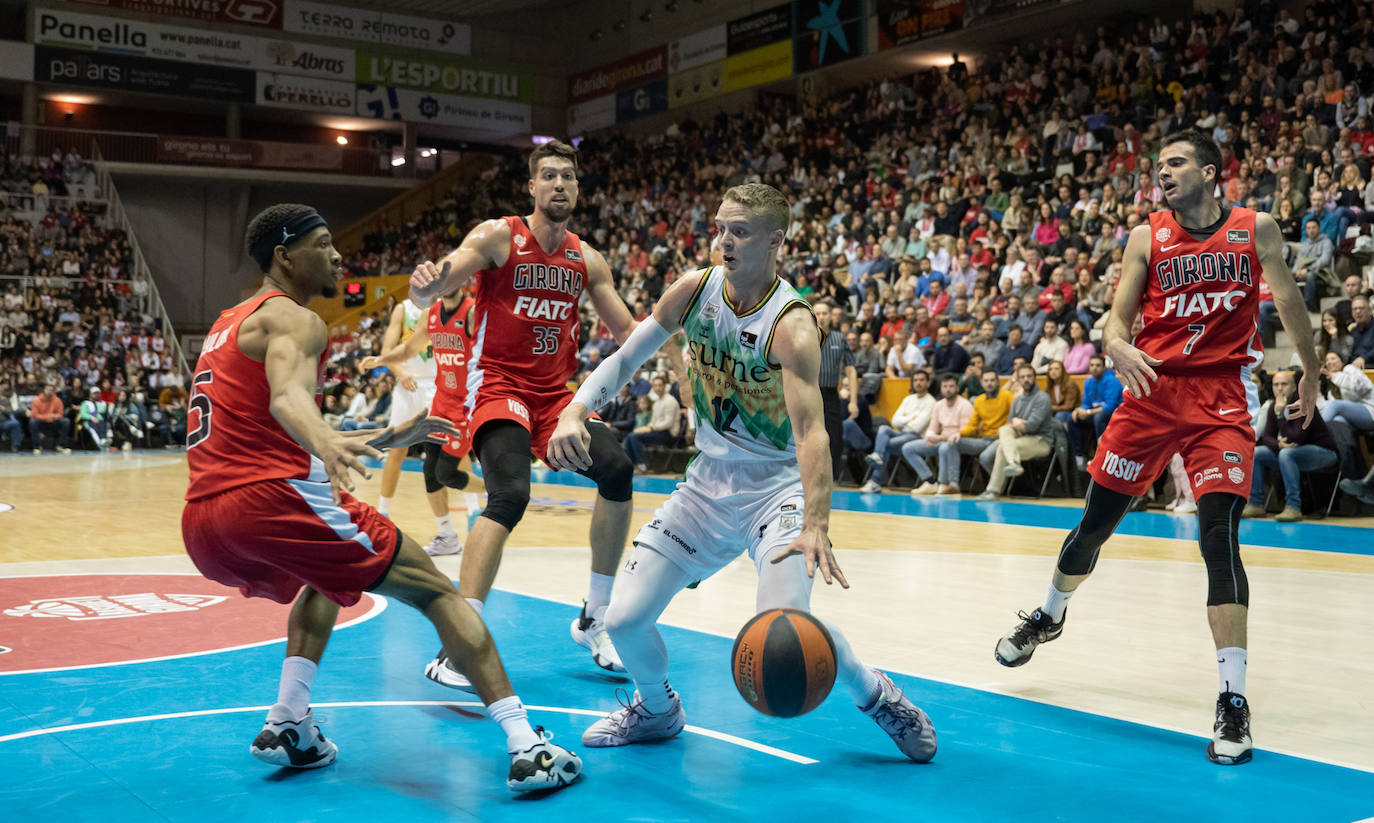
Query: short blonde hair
763, 199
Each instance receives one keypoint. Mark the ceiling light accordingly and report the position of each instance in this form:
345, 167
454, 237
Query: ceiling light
398, 161
341, 140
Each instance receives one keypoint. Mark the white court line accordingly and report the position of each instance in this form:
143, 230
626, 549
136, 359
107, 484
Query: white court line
715, 735
379, 604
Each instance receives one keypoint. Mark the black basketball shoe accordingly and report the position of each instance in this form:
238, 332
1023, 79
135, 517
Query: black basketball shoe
1230, 744
1019, 644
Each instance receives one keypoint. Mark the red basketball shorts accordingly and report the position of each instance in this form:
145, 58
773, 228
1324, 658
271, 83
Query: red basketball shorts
269, 539
535, 410
452, 409
1206, 418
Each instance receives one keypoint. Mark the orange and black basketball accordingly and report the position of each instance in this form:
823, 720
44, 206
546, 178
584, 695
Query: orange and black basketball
783, 662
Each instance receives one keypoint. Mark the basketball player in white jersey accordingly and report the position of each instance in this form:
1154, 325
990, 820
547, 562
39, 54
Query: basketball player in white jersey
761, 483
414, 392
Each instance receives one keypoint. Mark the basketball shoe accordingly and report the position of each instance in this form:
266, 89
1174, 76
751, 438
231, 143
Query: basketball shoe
542, 766
444, 544
632, 723
297, 744
1035, 628
441, 671
1230, 744
590, 633
908, 726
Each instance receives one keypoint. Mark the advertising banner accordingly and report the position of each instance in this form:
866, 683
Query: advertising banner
442, 75
650, 98
386, 28
757, 30
16, 60
906, 21
697, 50
287, 91
827, 32
593, 114
264, 13
52, 27
757, 67
141, 74
700, 83
212, 151
496, 118
635, 70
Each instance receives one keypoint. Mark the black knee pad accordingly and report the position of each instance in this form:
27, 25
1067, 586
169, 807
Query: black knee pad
1218, 517
503, 447
432, 452
1102, 513
611, 469
441, 470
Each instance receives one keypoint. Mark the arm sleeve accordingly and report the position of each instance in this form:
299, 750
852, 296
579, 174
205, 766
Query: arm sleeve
615, 371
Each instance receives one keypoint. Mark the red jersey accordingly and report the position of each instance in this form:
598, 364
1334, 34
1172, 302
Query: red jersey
1201, 302
452, 344
232, 439
526, 317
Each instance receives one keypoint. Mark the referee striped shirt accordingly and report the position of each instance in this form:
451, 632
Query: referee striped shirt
835, 355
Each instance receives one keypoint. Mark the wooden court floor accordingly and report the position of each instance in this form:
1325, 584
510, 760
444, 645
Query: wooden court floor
930, 595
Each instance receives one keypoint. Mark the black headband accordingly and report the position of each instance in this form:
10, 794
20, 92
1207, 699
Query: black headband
284, 235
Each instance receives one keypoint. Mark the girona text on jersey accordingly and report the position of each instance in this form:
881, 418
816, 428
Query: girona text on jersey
1205, 267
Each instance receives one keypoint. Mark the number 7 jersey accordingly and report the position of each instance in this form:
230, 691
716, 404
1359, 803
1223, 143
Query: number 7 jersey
736, 390
1201, 301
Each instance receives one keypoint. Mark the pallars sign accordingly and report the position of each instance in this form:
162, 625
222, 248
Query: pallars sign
117, 71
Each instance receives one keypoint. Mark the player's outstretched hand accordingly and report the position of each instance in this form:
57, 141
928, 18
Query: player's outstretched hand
1133, 367
405, 379
425, 283
417, 429
569, 447
814, 547
343, 455
1306, 404
370, 362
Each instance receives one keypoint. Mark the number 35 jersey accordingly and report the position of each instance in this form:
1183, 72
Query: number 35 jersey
736, 390
1201, 302
526, 320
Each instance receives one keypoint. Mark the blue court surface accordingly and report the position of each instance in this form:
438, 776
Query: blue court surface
97, 744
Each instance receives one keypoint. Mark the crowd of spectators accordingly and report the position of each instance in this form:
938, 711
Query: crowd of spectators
968, 219
80, 364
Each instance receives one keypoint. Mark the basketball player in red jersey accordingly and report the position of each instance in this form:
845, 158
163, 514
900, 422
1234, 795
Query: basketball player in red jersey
269, 511
529, 274
447, 328
1197, 268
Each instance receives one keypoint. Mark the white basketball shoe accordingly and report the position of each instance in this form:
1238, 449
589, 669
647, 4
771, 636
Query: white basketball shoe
543, 766
590, 633
296, 744
632, 723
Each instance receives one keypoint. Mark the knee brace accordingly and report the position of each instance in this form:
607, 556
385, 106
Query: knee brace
504, 449
441, 469
611, 469
1218, 523
1102, 513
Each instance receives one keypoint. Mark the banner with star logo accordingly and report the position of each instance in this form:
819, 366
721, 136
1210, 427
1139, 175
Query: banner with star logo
826, 32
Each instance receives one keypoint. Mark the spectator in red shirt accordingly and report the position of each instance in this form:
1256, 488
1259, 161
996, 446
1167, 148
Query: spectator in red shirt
47, 416
937, 302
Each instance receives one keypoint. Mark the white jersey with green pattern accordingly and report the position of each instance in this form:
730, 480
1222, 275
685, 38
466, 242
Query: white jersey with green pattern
422, 366
736, 391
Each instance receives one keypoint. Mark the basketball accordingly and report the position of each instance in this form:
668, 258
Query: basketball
783, 662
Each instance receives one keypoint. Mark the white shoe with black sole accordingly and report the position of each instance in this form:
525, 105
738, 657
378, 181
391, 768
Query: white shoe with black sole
441, 671
294, 744
1231, 745
590, 634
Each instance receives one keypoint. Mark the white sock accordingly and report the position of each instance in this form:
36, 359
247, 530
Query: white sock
293, 694
866, 688
1056, 602
599, 593
657, 697
384, 506
475, 604
1231, 669
446, 526
473, 501
510, 713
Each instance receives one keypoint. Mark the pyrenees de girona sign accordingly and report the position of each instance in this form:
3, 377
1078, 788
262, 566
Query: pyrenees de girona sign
73, 621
